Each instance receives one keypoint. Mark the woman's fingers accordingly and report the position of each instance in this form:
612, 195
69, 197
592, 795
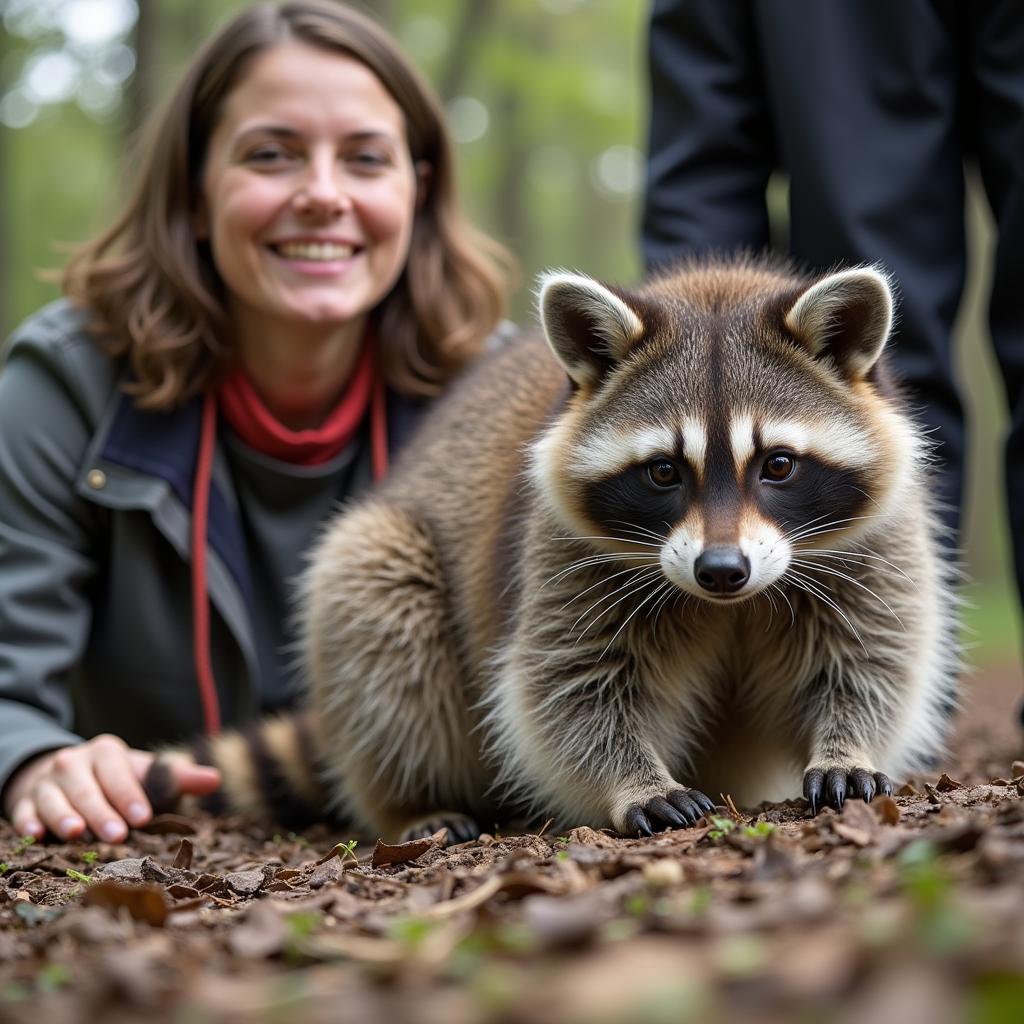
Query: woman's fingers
197, 779
97, 784
115, 773
55, 810
75, 771
25, 818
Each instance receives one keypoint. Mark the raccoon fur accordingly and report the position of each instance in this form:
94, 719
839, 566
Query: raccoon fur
681, 545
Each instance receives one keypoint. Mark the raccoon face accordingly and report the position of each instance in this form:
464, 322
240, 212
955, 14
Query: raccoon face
722, 420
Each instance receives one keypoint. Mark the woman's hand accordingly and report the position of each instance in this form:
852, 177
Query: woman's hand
95, 785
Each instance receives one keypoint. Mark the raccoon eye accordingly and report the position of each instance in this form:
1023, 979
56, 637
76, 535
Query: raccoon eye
663, 473
777, 467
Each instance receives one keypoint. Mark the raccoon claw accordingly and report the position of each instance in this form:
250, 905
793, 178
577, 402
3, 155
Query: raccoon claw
461, 828
637, 821
678, 809
832, 786
692, 802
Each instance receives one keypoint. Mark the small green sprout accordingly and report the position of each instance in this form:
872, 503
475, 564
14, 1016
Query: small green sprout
24, 843
78, 876
761, 830
89, 856
722, 826
411, 931
348, 850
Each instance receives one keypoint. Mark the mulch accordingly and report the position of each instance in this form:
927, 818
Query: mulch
908, 910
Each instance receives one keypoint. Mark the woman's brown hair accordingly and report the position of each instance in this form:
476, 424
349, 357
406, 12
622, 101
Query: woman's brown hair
151, 287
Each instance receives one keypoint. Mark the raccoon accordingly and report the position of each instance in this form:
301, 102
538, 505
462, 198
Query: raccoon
682, 544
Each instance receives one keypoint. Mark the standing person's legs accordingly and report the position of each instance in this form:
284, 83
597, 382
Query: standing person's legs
994, 120
865, 97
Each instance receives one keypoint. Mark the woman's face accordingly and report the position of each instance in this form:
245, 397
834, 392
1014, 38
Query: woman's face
308, 192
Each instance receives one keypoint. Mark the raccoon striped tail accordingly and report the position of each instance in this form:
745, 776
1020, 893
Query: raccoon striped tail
269, 773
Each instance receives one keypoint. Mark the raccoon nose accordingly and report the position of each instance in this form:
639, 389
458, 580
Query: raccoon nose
722, 570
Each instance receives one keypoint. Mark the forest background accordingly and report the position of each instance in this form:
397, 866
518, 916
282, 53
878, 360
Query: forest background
547, 103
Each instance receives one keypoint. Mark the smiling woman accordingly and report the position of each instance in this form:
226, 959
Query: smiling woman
242, 349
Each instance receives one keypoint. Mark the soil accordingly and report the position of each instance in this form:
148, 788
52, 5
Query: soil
908, 910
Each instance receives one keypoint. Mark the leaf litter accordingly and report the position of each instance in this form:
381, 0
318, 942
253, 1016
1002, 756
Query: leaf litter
910, 909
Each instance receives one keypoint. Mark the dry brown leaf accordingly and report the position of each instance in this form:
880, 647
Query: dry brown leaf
183, 858
144, 902
262, 932
170, 825
908, 790
402, 853
886, 809
946, 784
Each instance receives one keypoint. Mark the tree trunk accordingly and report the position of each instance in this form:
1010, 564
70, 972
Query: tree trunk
143, 87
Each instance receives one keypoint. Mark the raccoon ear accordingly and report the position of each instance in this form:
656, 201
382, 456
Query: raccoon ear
588, 327
847, 316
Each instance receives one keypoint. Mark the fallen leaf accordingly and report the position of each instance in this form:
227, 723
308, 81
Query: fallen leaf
170, 825
261, 933
143, 902
183, 858
946, 784
908, 790
886, 809
401, 853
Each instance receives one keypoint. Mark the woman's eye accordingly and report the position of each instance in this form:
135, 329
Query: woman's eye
778, 467
267, 155
663, 473
369, 159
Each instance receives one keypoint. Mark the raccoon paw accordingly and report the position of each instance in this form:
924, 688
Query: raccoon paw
832, 786
679, 808
461, 827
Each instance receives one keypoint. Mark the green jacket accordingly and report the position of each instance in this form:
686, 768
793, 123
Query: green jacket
95, 518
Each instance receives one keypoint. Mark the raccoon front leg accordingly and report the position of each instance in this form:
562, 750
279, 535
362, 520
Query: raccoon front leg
575, 733
846, 729
386, 684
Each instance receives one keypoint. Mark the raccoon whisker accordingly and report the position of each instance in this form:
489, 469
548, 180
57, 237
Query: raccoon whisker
878, 558
850, 579
814, 588
593, 560
621, 540
666, 592
641, 578
824, 528
860, 490
641, 531
621, 572
625, 622
640, 586
803, 526
785, 597
846, 557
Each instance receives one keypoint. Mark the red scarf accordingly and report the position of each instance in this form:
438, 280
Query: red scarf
253, 422
256, 426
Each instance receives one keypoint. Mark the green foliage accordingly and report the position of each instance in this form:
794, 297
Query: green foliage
997, 999
722, 826
78, 876
411, 932
942, 925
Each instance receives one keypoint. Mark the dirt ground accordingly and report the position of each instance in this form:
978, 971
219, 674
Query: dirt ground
910, 910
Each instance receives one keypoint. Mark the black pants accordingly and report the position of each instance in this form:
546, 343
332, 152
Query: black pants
871, 107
